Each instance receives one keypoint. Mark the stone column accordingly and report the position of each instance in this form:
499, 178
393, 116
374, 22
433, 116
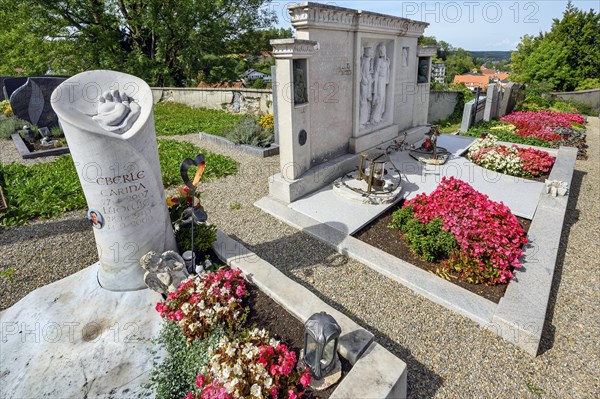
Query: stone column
293, 105
108, 122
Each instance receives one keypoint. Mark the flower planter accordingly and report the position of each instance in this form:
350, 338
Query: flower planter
26, 153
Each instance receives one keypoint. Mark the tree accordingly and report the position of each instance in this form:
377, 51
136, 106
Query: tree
458, 60
457, 63
163, 42
564, 57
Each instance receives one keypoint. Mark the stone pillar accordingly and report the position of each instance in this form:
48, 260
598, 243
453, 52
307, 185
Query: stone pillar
293, 106
108, 122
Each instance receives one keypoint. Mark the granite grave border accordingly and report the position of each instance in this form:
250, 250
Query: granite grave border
375, 373
259, 152
519, 316
26, 154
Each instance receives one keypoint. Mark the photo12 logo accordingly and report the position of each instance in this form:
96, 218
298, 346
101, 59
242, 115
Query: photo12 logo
471, 11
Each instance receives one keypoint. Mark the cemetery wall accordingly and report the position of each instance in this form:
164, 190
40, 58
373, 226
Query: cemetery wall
251, 101
589, 97
441, 105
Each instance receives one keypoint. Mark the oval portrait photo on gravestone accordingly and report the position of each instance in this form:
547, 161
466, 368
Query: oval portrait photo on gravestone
95, 218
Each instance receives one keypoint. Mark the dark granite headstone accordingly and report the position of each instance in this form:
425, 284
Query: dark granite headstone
32, 101
11, 84
2, 79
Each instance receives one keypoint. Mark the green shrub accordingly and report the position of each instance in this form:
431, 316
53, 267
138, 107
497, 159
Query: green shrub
204, 237
172, 152
10, 126
589, 83
248, 131
176, 375
429, 240
178, 119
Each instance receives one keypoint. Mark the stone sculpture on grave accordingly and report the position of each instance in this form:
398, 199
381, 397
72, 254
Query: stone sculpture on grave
381, 79
366, 85
164, 272
108, 122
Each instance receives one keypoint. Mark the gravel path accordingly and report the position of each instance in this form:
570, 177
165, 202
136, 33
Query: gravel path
448, 355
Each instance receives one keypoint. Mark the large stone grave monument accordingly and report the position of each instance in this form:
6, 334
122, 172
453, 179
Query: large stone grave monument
32, 101
350, 81
108, 122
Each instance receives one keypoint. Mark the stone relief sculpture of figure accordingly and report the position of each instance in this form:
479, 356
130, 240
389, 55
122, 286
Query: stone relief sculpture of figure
405, 56
300, 95
366, 85
164, 272
381, 76
108, 121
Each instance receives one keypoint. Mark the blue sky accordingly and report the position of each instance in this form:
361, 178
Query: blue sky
472, 25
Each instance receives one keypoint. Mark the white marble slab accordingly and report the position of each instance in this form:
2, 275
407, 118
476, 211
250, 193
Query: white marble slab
74, 339
520, 195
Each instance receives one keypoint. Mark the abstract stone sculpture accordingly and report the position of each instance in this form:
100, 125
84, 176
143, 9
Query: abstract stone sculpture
163, 272
556, 188
108, 122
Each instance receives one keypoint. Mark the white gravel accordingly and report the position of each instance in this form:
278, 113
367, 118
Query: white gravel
448, 355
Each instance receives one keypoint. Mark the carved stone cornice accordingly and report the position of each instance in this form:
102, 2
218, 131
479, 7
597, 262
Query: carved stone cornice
323, 16
427, 51
293, 48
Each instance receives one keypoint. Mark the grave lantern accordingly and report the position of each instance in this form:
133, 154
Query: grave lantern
374, 175
321, 335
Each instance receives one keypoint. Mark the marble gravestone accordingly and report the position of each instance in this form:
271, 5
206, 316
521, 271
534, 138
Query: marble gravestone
32, 101
108, 121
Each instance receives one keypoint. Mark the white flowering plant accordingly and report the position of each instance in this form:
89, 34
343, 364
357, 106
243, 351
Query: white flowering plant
514, 161
253, 365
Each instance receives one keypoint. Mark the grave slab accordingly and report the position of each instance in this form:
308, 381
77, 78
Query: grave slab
348, 216
74, 339
519, 317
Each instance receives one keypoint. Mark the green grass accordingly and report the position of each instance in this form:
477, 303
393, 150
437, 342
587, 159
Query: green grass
172, 152
175, 119
448, 127
50, 189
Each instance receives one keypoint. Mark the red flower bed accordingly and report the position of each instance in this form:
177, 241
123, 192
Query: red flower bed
540, 124
535, 162
489, 235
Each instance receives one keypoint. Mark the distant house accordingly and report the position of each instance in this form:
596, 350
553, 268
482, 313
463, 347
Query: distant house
487, 76
438, 72
252, 74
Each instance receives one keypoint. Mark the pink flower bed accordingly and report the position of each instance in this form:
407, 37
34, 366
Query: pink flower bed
255, 366
540, 124
489, 235
199, 305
